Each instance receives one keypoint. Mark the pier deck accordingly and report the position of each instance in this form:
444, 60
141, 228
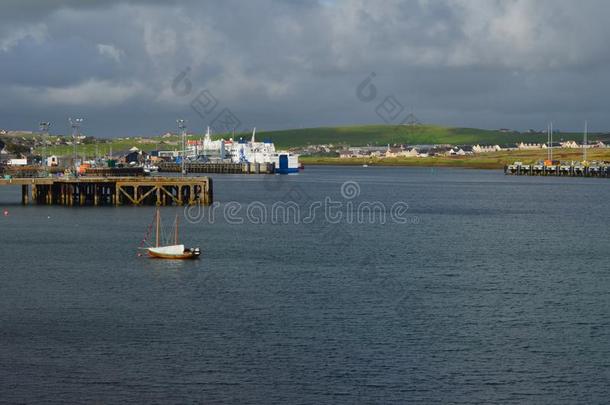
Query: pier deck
97, 191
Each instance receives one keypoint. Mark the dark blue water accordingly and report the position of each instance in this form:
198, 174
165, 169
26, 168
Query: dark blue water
496, 290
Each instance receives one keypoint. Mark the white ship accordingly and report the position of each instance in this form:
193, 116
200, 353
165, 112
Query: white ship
242, 151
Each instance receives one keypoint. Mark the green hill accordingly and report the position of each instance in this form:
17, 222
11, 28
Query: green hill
412, 135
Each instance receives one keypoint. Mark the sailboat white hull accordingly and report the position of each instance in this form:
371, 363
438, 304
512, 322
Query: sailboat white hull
174, 252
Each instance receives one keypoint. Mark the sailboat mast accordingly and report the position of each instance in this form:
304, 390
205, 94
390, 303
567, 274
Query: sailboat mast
176, 231
158, 220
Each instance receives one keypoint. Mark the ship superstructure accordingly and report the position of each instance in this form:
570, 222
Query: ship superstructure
241, 151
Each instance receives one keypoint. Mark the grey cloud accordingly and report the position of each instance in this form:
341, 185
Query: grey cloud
280, 64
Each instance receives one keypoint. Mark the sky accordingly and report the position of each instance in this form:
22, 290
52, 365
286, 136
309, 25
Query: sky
134, 67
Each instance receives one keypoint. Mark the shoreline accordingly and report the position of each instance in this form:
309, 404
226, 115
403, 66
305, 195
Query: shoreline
422, 162
484, 161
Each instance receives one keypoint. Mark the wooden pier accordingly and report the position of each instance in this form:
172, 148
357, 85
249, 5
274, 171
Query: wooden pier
98, 191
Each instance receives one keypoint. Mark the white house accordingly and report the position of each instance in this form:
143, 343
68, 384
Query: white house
486, 148
569, 145
530, 146
412, 152
456, 151
392, 152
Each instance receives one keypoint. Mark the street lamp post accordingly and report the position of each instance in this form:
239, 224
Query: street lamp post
75, 123
182, 127
44, 128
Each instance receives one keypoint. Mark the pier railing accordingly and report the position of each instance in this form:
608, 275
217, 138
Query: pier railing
559, 169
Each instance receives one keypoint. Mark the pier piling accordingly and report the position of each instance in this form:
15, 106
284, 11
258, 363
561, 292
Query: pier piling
25, 194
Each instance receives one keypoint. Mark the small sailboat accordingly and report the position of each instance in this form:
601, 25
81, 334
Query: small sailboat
176, 251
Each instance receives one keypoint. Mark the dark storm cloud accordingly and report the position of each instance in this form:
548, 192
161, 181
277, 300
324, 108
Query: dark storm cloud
276, 64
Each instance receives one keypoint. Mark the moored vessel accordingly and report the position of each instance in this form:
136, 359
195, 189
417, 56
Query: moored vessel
177, 251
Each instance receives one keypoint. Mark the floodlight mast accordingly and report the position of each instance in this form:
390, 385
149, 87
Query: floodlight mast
75, 123
585, 143
551, 142
44, 128
182, 127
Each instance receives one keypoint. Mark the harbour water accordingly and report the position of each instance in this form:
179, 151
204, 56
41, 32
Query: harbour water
495, 290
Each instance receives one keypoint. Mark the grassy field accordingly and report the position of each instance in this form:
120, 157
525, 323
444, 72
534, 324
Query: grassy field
495, 160
103, 148
347, 135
